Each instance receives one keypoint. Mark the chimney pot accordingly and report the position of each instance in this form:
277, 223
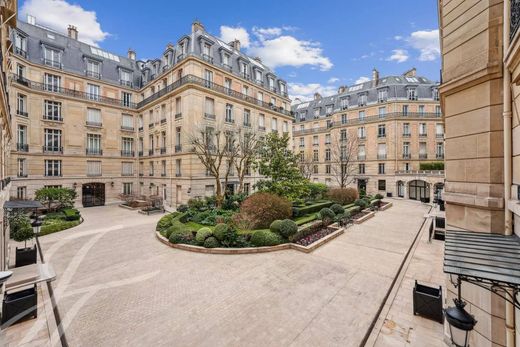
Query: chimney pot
375, 77
73, 32
131, 54
317, 96
235, 44
197, 26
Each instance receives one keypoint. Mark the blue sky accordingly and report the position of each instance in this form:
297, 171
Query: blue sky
314, 45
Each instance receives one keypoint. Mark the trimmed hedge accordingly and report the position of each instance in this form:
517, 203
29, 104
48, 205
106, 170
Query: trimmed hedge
327, 214
437, 165
302, 211
275, 226
54, 225
287, 228
71, 214
337, 209
211, 242
262, 238
203, 234
220, 231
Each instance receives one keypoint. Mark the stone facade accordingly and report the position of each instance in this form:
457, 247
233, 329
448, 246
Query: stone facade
133, 137
480, 60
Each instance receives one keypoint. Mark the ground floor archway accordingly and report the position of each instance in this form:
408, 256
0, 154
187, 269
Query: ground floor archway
93, 194
419, 190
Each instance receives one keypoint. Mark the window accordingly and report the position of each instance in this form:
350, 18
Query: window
406, 129
435, 94
52, 110
127, 168
315, 169
94, 144
274, 124
22, 137
22, 167
327, 169
270, 80
344, 103
437, 111
243, 70
343, 135
178, 136
52, 57
53, 168
381, 168
178, 107
439, 150
245, 90
20, 70
163, 168
328, 109
209, 108
423, 154
315, 155
93, 91
285, 127
126, 99
361, 115
247, 118
260, 97
21, 103
315, 140
381, 151
258, 76
362, 133
127, 145
20, 45
178, 164
21, 193
261, 121
93, 69
229, 113
381, 184
362, 100
382, 95
327, 139
421, 110
225, 60
317, 112
439, 130
227, 84
407, 166
406, 150
405, 110
127, 188
327, 154
127, 121
93, 168
51, 82
381, 130
206, 49
361, 169
302, 141
151, 169
382, 112
361, 152
412, 94
422, 129
93, 117
125, 77
52, 140
344, 119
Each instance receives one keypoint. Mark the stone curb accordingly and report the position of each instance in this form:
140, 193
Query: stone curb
364, 218
251, 250
386, 207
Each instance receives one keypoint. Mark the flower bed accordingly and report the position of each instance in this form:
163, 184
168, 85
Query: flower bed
310, 239
362, 216
61, 220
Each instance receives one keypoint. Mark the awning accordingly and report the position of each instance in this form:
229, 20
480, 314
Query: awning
21, 204
483, 258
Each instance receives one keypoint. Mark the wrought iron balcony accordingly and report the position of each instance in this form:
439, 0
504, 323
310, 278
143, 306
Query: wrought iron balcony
70, 92
22, 147
178, 148
439, 136
229, 120
20, 52
94, 124
53, 149
381, 136
140, 128
247, 125
22, 174
163, 174
209, 116
127, 128
52, 118
361, 157
178, 115
126, 83
126, 153
22, 113
163, 120
93, 74
140, 153
207, 58
52, 63
163, 150
93, 151
150, 152
423, 134
381, 156
439, 155
407, 134
407, 156
178, 174
141, 174
420, 172
423, 156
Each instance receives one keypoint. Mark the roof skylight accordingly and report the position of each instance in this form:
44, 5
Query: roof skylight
104, 54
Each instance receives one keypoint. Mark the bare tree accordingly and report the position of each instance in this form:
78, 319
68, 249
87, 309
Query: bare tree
248, 144
306, 165
217, 150
343, 156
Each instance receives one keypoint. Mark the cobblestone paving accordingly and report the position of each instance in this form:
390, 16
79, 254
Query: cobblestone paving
118, 286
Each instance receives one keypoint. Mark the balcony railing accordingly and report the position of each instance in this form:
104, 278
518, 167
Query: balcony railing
192, 79
70, 92
261, 128
423, 156
22, 113
178, 115
380, 136
407, 134
140, 153
381, 156
150, 152
127, 128
20, 52
439, 136
178, 148
230, 121
53, 149
93, 74
420, 172
52, 63
125, 153
207, 58
126, 83
163, 150
163, 120
93, 151
439, 155
423, 134
247, 125
407, 156
22, 147
361, 157
94, 124
53, 118
209, 116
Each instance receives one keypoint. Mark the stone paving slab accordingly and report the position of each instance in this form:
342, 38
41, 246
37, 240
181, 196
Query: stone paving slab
117, 285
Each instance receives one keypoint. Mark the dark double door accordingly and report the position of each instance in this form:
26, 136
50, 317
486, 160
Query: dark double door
93, 194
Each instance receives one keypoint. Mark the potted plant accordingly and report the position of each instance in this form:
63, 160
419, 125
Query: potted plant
427, 302
20, 305
23, 232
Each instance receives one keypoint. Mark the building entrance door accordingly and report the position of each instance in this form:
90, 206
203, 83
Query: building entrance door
93, 194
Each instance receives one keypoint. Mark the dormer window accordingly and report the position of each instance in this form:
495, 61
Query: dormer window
382, 95
344, 103
20, 45
206, 52
435, 94
412, 94
258, 77
328, 109
283, 89
125, 77
271, 84
93, 69
317, 112
362, 100
52, 57
303, 115
243, 70
225, 60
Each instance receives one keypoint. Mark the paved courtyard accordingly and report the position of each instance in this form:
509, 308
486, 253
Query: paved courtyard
117, 285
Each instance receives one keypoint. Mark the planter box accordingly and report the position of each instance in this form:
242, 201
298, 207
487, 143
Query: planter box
386, 206
427, 302
25, 256
20, 305
365, 217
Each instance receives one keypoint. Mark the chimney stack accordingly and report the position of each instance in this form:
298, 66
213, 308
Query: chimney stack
73, 32
375, 77
197, 26
317, 96
131, 54
411, 73
235, 44
342, 89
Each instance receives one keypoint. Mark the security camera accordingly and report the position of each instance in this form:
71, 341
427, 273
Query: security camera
4, 276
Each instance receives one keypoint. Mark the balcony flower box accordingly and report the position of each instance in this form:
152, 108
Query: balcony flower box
25, 256
427, 302
20, 305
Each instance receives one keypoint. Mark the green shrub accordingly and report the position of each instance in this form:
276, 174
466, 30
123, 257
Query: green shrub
220, 231
378, 196
23, 231
316, 190
337, 209
71, 214
275, 226
353, 210
183, 217
164, 223
261, 209
182, 208
176, 226
203, 234
211, 242
55, 215
302, 211
262, 238
288, 228
197, 204
178, 234
50, 226
362, 203
343, 196
327, 215
437, 165
56, 197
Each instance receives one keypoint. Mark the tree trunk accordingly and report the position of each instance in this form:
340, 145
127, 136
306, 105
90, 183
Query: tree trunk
219, 198
241, 182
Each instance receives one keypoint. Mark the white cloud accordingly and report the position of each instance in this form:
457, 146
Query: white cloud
333, 80
398, 55
228, 34
58, 14
427, 42
362, 79
263, 33
398, 37
288, 51
305, 92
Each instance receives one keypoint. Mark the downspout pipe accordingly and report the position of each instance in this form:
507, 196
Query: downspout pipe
508, 222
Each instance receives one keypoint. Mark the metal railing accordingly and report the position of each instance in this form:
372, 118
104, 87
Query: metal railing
93, 151
22, 147
94, 124
53, 149
178, 148
20, 52
127, 128
381, 156
71, 92
22, 113
423, 156
407, 156
162, 150
53, 63
93, 74
127, 153
53, 118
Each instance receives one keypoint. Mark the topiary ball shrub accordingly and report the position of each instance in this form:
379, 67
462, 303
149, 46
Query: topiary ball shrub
211, 242
174, 227
337, 209
262, 238
326, 214
362, 203
220, 231
343, 196
378, 196
164, 223
203, 234
261, 209
275, 226
288, 228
